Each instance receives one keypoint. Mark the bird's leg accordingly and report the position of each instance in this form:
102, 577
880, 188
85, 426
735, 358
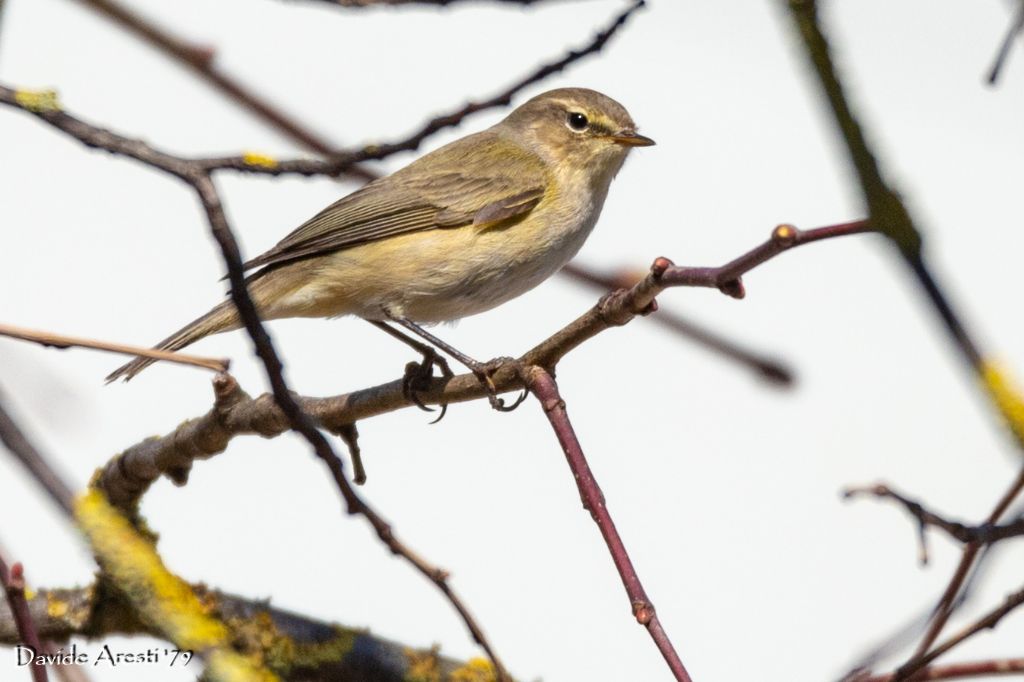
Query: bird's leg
482, 370
418, 374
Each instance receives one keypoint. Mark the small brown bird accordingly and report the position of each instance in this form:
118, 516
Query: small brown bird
459, 231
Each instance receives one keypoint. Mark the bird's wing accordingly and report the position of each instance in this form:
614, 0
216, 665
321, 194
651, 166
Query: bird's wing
458, 190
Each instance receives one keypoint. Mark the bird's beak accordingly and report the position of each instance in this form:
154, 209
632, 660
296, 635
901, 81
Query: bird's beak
631, 138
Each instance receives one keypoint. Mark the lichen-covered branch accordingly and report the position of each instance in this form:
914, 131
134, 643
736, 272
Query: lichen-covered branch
292, 646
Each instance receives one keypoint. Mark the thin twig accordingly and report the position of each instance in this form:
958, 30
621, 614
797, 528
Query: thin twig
984, 534
13, 582
986, 622
769, 369
545, 389
62, 341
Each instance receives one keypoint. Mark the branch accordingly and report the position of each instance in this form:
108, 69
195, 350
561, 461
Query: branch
335, 161
954, 671
440, 3
545, 389
13, 582
53, 340
984, 534
294, 646
19, 445
199, 59
1015, 29
126, 477
769, 369
987, 622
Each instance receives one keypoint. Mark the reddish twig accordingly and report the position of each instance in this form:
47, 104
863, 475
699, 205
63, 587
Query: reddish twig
769, 369
543, 386
13, 581
62, 341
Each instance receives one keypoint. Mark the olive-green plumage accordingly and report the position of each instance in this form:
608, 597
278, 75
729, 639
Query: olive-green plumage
458, 231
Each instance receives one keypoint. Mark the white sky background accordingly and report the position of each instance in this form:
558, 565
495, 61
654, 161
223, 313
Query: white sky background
725, 490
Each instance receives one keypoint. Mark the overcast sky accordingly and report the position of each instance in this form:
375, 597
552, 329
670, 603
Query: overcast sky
725, 489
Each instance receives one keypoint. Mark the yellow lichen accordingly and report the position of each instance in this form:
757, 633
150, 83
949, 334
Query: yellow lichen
475, 670
56, 608
38, 100
423, 666
1006, 397
261, 160
160, 598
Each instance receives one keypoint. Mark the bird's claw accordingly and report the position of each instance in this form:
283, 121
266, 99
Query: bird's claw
484, 371
419, 376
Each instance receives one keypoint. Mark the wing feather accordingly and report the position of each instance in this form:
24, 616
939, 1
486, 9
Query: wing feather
448, 188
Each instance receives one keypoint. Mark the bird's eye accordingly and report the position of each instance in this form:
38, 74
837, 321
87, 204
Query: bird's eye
577, 121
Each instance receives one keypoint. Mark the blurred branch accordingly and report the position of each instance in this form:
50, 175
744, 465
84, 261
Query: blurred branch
335, 161
294, 646
543, 386
888, 215
439, 3
13, 581
200, 59
956, 671
773, 371
1016, 28
62, 341
19, 445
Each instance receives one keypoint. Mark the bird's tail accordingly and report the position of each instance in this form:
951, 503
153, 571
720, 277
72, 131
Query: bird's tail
221, 318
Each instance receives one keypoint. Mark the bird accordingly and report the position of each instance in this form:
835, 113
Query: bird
459, 231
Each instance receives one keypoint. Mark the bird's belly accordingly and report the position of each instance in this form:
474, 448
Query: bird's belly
446, 274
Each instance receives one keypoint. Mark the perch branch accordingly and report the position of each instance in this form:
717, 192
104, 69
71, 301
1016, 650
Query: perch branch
126, 477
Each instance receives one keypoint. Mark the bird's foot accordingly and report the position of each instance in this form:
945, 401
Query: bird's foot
484, 372
420, 375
